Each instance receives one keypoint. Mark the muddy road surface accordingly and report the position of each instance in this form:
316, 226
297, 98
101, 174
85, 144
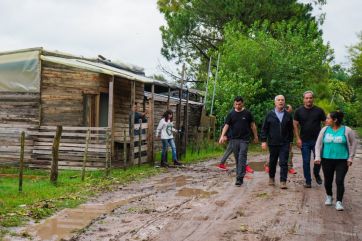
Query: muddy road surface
201, 202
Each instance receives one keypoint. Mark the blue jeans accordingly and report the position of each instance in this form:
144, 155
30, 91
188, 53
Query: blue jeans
307, 149
165, 143
240, 150
280, 152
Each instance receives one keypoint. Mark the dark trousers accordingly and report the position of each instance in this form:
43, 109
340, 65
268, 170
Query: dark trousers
227, 153
280, 152
240, 150
329, 167
307, 149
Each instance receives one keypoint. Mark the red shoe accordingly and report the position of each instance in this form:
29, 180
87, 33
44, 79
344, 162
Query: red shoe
248, 169
222, 167
266, 168
292, 171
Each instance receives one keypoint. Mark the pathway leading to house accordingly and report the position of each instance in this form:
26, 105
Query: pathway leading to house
200, 202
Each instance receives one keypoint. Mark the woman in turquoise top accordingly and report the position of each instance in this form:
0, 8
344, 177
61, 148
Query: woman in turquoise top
335, 150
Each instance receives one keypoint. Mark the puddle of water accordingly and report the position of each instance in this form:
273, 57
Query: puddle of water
178, 180
257, 166
63, 225
194, 192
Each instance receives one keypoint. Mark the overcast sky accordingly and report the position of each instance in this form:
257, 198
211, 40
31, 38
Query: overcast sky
128, 30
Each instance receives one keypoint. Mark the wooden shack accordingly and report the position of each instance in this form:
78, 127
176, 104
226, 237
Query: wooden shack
42, 89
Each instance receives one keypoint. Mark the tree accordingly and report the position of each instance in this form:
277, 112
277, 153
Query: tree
194, 28
355, 52
353, 109
268, 59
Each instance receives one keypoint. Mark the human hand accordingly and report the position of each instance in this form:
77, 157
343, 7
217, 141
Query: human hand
349, 163
264, 146
318, 162
222, 139
256, 140
299, 143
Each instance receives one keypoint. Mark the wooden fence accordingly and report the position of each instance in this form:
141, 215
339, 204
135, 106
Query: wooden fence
10, 144
72, 146
39, 141
123, 148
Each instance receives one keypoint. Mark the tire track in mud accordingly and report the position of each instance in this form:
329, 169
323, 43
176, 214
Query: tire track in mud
200, 202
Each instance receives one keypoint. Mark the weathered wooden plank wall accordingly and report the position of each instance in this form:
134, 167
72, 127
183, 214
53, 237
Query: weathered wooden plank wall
18, 111
19, 108
62, 93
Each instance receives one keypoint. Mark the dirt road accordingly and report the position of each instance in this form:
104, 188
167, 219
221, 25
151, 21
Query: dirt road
200, 202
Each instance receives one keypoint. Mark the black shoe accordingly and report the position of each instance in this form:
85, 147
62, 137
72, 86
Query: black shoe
177, 163
319, 180
239, 182
307, 185
164, 164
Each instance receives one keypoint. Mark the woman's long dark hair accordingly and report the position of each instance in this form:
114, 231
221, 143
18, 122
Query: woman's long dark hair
165, 115
337, 116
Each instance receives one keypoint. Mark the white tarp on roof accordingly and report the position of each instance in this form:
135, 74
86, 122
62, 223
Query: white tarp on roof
96, 67
20, 72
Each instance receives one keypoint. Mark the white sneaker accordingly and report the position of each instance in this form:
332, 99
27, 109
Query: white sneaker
329, 201
339, 206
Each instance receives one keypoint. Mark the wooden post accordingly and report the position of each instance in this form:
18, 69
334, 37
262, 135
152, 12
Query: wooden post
55, 155
168, 97
108, 160
200, 140
125, 150
85, 157
140, 142
131, 132
186, 122
110, 114
150, 127
21, 164
178, 121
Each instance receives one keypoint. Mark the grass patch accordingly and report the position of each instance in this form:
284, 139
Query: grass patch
40, 199
196, 154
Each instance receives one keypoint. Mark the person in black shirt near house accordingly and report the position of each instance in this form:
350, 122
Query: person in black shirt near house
277, 133
241, 123
309, 118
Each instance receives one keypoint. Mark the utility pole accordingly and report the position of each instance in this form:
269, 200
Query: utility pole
213, 93
207, 81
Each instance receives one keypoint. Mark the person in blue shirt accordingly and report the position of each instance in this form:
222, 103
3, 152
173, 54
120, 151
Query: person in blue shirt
335, 149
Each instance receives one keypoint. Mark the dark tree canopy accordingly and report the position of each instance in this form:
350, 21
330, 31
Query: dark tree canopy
196, 27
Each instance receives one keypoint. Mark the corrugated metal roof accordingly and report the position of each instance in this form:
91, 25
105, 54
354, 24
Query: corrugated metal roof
96, 67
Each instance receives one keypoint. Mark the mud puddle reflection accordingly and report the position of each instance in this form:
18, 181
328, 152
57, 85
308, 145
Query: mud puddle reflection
63, 225
257, 166
169, 182
194, 192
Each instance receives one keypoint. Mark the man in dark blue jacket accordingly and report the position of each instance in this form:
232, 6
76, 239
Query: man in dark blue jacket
277, 134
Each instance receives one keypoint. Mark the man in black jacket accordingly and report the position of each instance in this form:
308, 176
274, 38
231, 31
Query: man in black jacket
277, 133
